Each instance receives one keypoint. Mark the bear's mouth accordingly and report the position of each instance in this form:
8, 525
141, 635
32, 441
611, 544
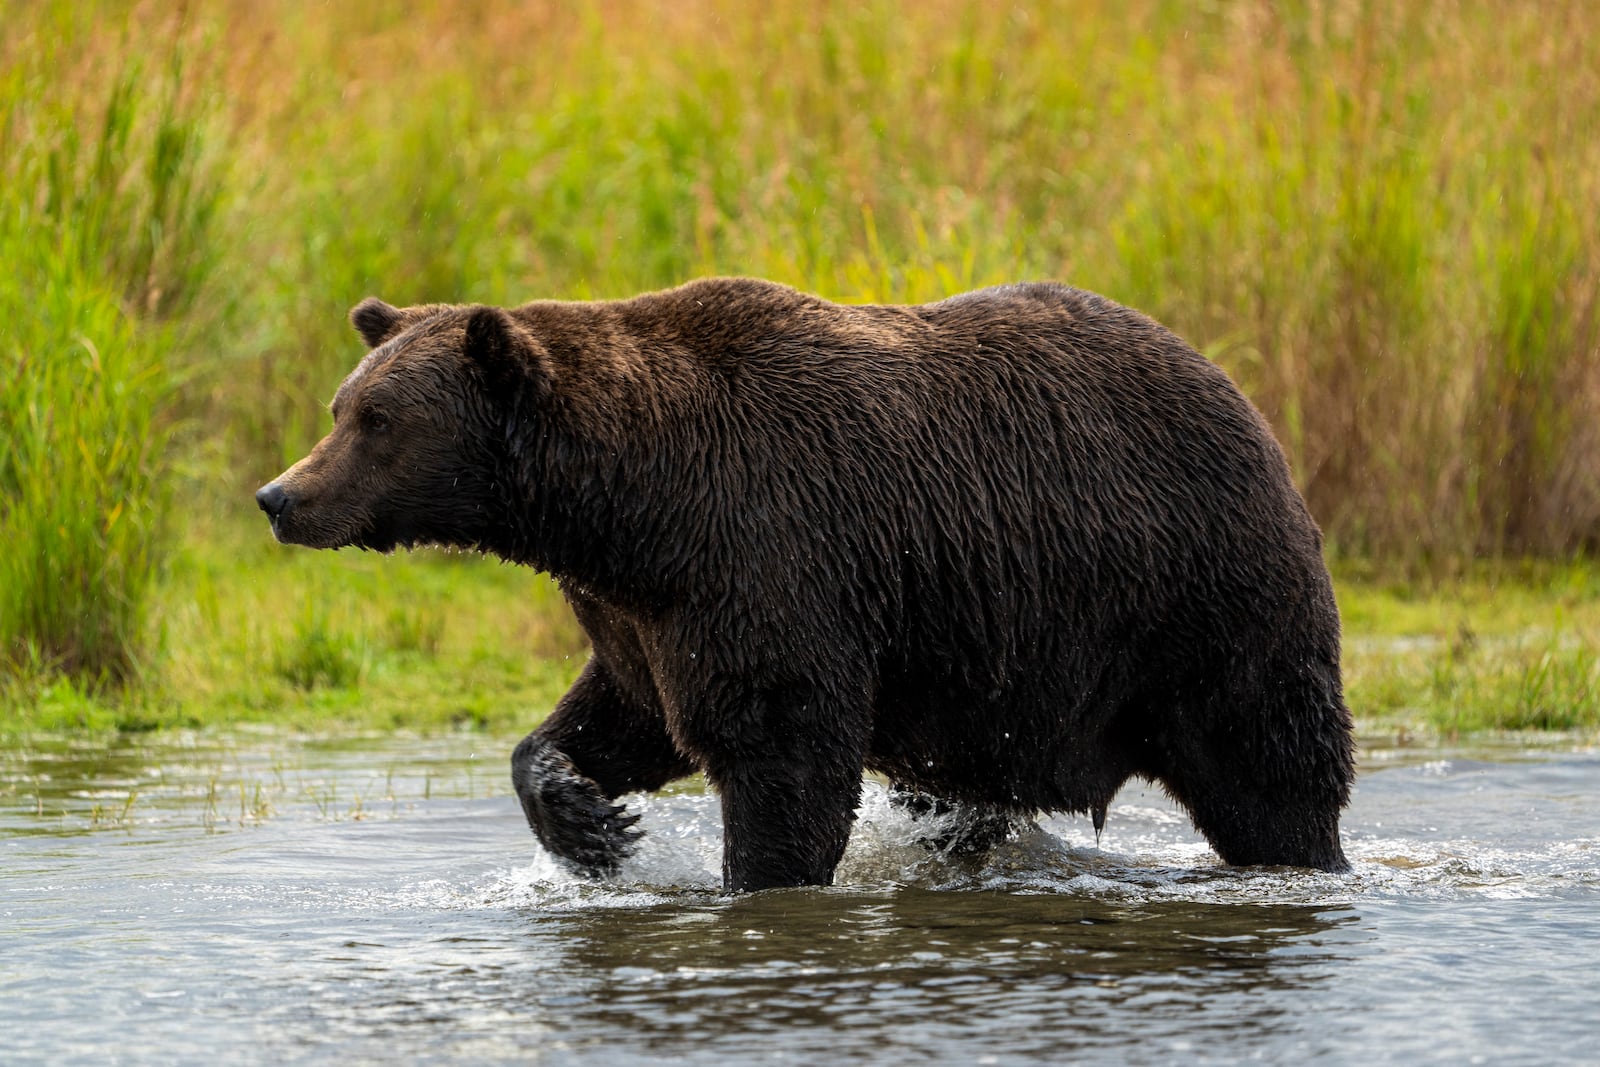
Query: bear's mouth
375, 540
301, 527
383, 534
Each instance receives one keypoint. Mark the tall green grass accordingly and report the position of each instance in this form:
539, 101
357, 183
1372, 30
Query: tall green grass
1378, 217
105, 207
81, 494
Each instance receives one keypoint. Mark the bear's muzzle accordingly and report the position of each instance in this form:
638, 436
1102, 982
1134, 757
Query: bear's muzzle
275, 501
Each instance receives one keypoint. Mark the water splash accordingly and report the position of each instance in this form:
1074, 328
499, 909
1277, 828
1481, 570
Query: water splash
1148, 853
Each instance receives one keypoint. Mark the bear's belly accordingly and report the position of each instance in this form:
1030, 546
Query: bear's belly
1024, 755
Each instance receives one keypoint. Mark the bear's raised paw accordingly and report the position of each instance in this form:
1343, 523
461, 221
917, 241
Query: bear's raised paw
571, 816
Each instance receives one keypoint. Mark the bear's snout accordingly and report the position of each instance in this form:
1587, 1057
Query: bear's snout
274, 500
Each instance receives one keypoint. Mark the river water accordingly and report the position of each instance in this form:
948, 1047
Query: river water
274, 900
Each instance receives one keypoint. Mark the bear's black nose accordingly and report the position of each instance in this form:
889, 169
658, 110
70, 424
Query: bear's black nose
273, 500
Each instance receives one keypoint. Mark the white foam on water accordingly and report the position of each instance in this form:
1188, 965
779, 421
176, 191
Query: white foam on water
680, 853
1149, 852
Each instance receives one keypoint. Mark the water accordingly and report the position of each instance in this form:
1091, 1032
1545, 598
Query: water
273, 901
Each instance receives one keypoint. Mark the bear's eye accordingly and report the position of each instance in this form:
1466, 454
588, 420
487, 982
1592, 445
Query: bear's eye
374, 420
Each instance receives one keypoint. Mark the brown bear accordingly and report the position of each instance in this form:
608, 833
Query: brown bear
1008, 550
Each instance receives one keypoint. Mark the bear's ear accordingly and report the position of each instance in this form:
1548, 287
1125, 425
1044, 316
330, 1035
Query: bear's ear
376, 321
501, 349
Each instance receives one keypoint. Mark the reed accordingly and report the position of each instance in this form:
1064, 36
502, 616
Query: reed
105, 208
82, 501
1369, 213
1378, 217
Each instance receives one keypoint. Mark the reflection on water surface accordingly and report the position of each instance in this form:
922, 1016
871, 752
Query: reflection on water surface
273, 900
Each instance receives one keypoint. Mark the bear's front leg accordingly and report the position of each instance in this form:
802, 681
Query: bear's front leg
568, 773
573, 819
789, 789
783, 828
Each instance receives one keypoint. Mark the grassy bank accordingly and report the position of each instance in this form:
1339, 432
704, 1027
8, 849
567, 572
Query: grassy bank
1508, 647
252, 632
1379, 218
105, 210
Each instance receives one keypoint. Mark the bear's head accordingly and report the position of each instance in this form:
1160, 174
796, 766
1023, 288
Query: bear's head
418, 453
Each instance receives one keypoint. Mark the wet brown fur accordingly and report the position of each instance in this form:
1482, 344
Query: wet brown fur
1009, 549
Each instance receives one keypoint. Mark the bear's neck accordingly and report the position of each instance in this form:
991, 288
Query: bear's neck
599, 505
586, 520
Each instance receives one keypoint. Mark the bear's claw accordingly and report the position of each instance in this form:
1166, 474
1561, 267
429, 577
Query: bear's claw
573, 819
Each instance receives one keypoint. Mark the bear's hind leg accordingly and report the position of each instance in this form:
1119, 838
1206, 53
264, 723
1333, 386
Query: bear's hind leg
954, 827
568, 773
1265, 785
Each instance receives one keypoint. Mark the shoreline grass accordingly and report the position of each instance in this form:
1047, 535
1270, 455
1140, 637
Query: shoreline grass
105, 209
250, 633
1378, 218
1364, 212
1510, 647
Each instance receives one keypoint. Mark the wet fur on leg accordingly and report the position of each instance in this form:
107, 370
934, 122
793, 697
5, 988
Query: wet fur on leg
570, 814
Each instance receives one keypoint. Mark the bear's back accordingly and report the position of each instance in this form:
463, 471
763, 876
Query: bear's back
1028, 437
776, 338
1037, 374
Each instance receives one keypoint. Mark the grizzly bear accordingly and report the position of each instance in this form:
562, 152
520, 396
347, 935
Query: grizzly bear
1007, 550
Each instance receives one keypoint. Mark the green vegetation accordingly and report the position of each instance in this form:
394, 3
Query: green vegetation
252, 632
81, 472
1379, 218
1506, 648
104, 207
